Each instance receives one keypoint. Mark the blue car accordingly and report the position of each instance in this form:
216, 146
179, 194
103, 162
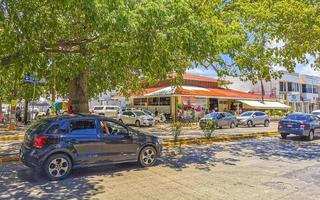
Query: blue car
304, 125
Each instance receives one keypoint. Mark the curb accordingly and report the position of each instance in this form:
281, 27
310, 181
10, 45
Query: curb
12, 138
9, 159
221, 138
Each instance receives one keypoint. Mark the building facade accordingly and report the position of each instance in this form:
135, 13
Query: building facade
299, 91
199, 94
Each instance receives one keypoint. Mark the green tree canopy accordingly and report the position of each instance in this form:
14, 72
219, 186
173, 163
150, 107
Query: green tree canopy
125, 45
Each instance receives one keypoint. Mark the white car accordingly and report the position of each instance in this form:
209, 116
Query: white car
316, 113
136, 117
108, 111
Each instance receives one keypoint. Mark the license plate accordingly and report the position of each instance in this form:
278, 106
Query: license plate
289, 125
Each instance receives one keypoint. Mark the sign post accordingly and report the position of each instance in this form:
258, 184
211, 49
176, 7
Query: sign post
34, 81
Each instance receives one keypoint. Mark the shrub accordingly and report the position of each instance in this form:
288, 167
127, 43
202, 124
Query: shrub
176, 130
208, 127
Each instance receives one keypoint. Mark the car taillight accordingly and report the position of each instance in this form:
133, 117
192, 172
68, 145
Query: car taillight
40, 141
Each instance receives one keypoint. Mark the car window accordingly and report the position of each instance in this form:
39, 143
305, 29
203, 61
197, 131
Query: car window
296, 117
98, 108
112, 128
259, 114
312, 118
53, 129
246, 114
82, 125
139, 113
126, 113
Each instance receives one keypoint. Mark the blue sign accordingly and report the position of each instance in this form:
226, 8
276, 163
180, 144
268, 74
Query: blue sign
33, 80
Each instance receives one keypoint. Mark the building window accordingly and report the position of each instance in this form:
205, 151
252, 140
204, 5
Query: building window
153, 101
315, 90
307, 88
140, 101
283, 87
293, 87
164, 101
156, 101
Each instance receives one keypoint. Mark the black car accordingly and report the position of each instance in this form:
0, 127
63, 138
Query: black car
57, 145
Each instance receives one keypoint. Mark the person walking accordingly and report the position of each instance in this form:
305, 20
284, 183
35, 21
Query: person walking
156, 113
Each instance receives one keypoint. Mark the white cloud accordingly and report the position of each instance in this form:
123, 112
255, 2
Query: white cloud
202, 71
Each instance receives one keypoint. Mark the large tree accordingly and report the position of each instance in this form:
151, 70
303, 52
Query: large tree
86, 47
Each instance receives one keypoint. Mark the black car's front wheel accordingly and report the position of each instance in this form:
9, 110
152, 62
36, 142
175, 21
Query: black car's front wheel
57, 166
148, 156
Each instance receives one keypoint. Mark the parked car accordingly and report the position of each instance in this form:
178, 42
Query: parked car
253, 118
316, 113
108, 111
137, 118
304, 125
222, 119
57, 145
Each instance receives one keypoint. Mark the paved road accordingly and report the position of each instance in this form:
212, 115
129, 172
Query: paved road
248, 169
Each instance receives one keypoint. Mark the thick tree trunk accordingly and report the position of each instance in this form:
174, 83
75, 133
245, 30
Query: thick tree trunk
0, 107
78, 93
25, 113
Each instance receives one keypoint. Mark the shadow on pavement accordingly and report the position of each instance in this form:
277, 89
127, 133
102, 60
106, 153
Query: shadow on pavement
19, 182
291, 148
202, 158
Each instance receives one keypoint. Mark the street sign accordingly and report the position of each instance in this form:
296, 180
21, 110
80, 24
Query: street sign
33, 80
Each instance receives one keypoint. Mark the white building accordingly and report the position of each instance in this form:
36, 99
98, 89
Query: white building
299, 91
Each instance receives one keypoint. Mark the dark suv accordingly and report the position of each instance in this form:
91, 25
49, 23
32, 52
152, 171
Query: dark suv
56, 145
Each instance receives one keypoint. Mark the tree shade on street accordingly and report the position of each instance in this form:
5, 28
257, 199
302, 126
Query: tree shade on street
82, 48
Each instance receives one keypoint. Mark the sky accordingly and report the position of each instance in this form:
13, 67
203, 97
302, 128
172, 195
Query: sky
300, 68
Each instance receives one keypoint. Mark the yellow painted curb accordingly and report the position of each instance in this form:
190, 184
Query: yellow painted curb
12, 138
9, 159
222, 138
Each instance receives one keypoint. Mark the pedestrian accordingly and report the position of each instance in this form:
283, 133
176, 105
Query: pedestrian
156, 113
193, 114
70, 110
48, 111
18, 114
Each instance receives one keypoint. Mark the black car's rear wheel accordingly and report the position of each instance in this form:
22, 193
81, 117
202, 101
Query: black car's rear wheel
57, 166
148, 156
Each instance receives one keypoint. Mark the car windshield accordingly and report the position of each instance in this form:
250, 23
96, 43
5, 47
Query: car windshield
39, 126
246, 114
316, 113
147, 112
139, 113
296, 117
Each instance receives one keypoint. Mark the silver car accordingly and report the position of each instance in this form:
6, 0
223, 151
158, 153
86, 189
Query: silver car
136, 117
253, 118
222, 119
